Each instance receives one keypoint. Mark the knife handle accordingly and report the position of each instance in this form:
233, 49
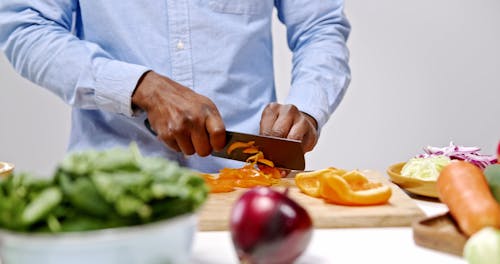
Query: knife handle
148, 126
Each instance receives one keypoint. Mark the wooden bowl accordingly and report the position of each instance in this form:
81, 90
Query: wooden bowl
6, 168
412, 185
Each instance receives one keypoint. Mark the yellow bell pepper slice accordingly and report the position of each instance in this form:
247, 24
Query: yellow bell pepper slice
353, 188
341, 187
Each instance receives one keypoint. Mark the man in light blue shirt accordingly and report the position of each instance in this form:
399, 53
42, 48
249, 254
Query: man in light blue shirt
192, 67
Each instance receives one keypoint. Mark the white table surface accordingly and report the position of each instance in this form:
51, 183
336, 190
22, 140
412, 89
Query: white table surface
341, 245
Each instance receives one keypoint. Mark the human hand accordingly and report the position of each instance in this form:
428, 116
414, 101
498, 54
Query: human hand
183, 119
286, 121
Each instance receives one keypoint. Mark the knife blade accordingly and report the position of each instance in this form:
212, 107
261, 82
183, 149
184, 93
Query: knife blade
284, 153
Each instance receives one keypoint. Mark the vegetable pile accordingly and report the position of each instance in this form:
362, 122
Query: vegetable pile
100, 189
428, 165
257, 172
426, 169
455, 152
343, 187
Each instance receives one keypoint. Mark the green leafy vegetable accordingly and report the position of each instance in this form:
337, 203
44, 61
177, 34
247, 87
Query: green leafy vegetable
100, 189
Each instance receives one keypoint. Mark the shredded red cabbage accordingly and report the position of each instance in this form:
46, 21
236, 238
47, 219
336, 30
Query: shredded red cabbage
470, 154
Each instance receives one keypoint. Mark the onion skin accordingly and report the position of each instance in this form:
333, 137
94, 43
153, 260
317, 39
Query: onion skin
269, 227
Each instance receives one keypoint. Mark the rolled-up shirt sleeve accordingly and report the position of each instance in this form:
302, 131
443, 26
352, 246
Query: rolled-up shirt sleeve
317, 33
36, 37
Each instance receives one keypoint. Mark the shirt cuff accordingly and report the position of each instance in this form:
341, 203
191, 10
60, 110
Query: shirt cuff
307, 105
115, 83
315, 104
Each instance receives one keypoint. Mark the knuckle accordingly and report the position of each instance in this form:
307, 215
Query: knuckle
290, 108
171, 132
296, 136
278, 132
218, 131
266, 131
271, 107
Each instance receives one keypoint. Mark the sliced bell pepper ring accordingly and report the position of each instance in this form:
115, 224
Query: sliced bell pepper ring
257, 172
353, 188
341, 187
309, 182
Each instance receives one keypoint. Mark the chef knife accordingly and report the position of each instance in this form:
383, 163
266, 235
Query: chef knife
284, 153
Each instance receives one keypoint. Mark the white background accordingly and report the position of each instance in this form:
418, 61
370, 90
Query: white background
423, 73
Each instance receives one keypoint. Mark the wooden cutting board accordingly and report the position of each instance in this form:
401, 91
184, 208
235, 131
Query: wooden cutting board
400, 211
439, 233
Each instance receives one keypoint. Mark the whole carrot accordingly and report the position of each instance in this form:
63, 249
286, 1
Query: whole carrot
463, 188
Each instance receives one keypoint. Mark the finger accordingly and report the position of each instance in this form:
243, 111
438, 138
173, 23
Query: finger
269, 115
201, 142
163, 134
216, 131
309, 140
171, 143
185, 143
305, 132
168, 139
284, 123
298, 131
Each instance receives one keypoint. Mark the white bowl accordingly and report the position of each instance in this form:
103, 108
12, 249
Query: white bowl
167, 241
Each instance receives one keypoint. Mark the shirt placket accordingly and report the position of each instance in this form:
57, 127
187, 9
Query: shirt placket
180, 42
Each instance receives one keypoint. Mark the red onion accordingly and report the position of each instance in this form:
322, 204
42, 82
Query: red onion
269, 227
455, 152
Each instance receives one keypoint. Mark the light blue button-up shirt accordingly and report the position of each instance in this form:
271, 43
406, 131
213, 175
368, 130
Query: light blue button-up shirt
92, 53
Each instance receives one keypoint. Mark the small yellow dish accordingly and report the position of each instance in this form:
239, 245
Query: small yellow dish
412, 185
6, 168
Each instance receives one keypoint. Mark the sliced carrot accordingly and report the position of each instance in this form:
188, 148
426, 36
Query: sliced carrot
463, 188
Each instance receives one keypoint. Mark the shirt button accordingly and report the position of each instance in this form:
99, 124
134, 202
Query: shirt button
180, 45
